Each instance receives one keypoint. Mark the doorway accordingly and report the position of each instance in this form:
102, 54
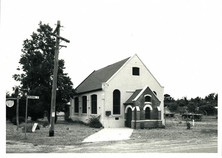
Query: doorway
128, 117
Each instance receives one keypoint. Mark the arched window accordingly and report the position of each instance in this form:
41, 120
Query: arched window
94, 104
147, 98
76, 105
84, 104
147, 113
116, 102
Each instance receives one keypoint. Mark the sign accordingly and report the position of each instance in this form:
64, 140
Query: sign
34, 127
10, 103
33, 97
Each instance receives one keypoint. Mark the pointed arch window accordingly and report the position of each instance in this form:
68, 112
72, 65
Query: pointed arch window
116, 102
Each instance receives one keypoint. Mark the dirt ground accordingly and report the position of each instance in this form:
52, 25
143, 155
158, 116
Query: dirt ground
174, 138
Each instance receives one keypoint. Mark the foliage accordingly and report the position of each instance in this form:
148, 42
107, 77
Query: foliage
21, 119
95, 122
36, 73
194, 105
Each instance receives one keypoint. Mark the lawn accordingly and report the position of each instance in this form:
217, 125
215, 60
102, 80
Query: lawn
205, 129
65, 133
74, 133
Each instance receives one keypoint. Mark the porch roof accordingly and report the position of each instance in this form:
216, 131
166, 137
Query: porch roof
132, 97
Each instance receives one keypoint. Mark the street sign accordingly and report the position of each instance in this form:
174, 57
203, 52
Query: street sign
33, 97
10, 103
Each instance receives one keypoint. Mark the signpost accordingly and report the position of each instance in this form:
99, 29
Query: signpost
26, 111
10, 103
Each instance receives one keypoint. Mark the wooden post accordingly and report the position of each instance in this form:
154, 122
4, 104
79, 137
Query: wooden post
26, 114
54, 86
55, 73
17, 112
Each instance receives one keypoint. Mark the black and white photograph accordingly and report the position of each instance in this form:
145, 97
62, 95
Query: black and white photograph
100, 77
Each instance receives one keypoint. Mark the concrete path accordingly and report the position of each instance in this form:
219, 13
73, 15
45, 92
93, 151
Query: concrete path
110, 134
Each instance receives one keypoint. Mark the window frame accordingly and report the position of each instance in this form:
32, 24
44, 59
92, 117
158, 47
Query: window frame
84, 104
76, 105
116, 102
135, 71
149, 100
94, 104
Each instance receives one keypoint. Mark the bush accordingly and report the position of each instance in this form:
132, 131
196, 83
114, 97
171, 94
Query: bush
94, 122
14, 121
70, 120
28, 127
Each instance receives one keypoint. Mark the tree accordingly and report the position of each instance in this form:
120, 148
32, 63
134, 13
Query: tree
37, 63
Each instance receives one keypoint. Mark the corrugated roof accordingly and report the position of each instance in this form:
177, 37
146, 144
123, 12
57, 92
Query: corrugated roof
94, 81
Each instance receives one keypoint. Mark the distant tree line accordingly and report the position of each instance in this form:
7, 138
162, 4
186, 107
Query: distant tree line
207, 105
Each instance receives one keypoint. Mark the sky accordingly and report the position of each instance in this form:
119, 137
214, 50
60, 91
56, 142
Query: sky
179, 41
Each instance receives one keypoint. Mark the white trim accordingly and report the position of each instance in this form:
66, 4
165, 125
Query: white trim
128, 106
141, 92
151, 108
130, 91
148, 70
137, 108
147, 95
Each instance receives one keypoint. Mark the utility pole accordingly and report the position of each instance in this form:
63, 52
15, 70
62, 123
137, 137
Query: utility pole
17, 112
55, 72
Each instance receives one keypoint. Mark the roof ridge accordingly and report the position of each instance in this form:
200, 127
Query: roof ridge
113, 64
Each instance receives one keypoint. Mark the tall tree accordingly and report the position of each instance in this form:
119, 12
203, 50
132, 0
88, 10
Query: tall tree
36, 63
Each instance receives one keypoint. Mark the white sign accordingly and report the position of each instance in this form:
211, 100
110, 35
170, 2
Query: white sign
53, 114
10, 103
34, 127
33, 97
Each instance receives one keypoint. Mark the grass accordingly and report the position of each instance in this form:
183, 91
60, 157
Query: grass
73, 133
65, 133
174, 130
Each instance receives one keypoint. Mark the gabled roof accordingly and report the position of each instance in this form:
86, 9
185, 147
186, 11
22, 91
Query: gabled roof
94, 81
132, 97
135, 96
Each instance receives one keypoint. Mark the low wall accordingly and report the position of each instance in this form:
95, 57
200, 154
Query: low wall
140, 124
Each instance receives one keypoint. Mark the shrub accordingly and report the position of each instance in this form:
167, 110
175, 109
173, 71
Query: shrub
70, 120
28, 127
94, 122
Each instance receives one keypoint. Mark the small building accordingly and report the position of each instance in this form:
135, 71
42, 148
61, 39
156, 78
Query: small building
124, 94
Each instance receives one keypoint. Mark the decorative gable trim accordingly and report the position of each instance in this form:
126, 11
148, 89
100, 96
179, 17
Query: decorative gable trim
149, 71
141, 92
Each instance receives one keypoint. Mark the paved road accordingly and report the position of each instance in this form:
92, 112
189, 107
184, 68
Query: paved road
125, 146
